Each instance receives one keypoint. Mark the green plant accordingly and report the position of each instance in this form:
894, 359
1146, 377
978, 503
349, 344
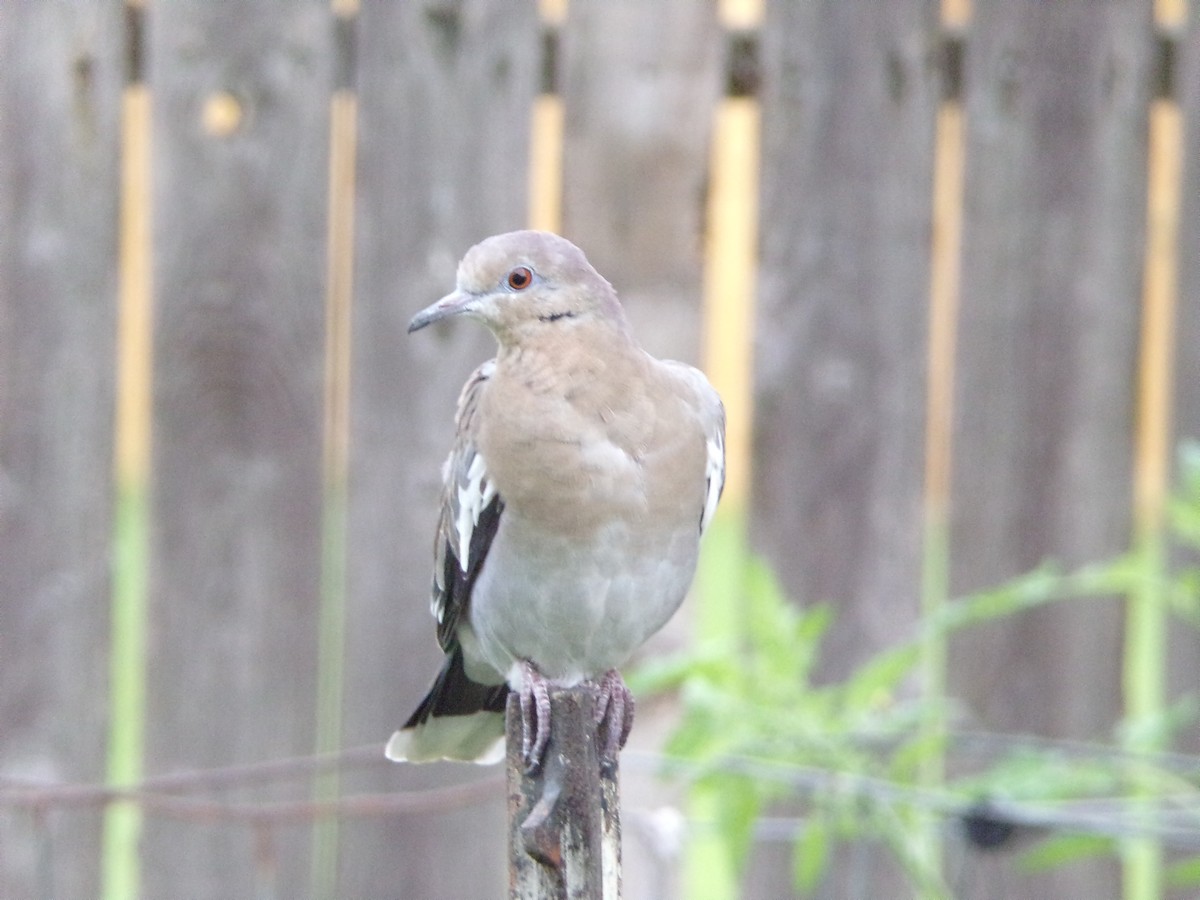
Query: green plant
757, 729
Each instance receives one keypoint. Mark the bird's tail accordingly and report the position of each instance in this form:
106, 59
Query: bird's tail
458, 719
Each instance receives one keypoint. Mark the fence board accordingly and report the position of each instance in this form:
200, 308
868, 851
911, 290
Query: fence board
849, 98
849, 101
639, 82
239, 242
445, 94
1056, 99
1185, 642
1187, 381
60, 84
1053, 240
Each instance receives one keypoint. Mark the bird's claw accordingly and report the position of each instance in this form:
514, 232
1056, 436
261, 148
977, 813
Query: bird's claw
535, 717
613, 715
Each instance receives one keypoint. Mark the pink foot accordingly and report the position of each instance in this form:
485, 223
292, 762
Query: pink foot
614, 715
535, 716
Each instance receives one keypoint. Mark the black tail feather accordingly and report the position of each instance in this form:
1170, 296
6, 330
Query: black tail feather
453, 693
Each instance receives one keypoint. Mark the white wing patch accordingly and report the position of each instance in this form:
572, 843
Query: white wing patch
466, 493
711, 415
473, 497
714, 473
437, 603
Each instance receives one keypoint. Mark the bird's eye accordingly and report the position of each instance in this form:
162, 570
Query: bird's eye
519, 278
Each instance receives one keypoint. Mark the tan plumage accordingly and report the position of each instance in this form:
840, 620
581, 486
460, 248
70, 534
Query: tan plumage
582, 475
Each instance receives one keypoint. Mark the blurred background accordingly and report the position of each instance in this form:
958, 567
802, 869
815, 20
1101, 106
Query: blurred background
939, 258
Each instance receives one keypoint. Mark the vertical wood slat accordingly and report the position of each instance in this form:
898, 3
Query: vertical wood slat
1056, 100
849, 105
639, 82
445, 93
1187, 84
1184, 671
60, 88
1056, 107
241, 107
849, 102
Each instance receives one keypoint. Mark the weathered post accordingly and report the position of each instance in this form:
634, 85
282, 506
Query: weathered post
564, 820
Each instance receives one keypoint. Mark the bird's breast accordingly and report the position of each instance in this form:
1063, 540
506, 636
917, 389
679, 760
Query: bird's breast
603, 480
567, 459
576, 608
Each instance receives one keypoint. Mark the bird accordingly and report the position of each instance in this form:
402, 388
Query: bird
582, 475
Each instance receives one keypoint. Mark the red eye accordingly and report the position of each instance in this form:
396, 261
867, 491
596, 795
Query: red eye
519, 278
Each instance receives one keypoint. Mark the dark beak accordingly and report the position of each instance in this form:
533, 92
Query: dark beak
450, 305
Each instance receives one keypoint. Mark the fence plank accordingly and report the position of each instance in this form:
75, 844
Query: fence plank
240, 143
1056, 105
60, 86
445, 93
1187, 83
849, 103
1185, 642
639, 82
1056, 100
849, 100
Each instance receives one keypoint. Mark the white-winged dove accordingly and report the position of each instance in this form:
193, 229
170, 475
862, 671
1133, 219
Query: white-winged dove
582, 475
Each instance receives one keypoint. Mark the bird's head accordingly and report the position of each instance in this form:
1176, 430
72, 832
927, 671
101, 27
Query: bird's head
525, 281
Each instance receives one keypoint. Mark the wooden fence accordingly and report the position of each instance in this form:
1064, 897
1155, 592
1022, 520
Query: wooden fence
976, 254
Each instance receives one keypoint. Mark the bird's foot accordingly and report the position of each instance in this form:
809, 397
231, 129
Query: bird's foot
535, 716
614, 716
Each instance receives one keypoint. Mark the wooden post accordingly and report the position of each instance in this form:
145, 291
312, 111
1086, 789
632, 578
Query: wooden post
564, 820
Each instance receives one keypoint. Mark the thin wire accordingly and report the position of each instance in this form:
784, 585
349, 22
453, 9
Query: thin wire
1175, 820
1115, 816
160, 794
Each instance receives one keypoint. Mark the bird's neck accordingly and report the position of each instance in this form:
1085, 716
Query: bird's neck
566, 340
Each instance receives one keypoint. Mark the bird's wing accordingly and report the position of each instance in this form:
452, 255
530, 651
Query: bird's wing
714, 468
710, 412
462, 715
471, 511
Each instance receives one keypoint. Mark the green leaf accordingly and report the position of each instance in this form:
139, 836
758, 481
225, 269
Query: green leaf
877, 679
906, 760
1184, 507
1157, 729
783, 638
1023, 592
1062, 849
656, 675
1185, 874
738, 804
810, 855
1184, 595
692, 739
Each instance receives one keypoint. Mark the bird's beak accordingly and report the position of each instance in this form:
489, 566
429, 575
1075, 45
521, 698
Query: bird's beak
450, 305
